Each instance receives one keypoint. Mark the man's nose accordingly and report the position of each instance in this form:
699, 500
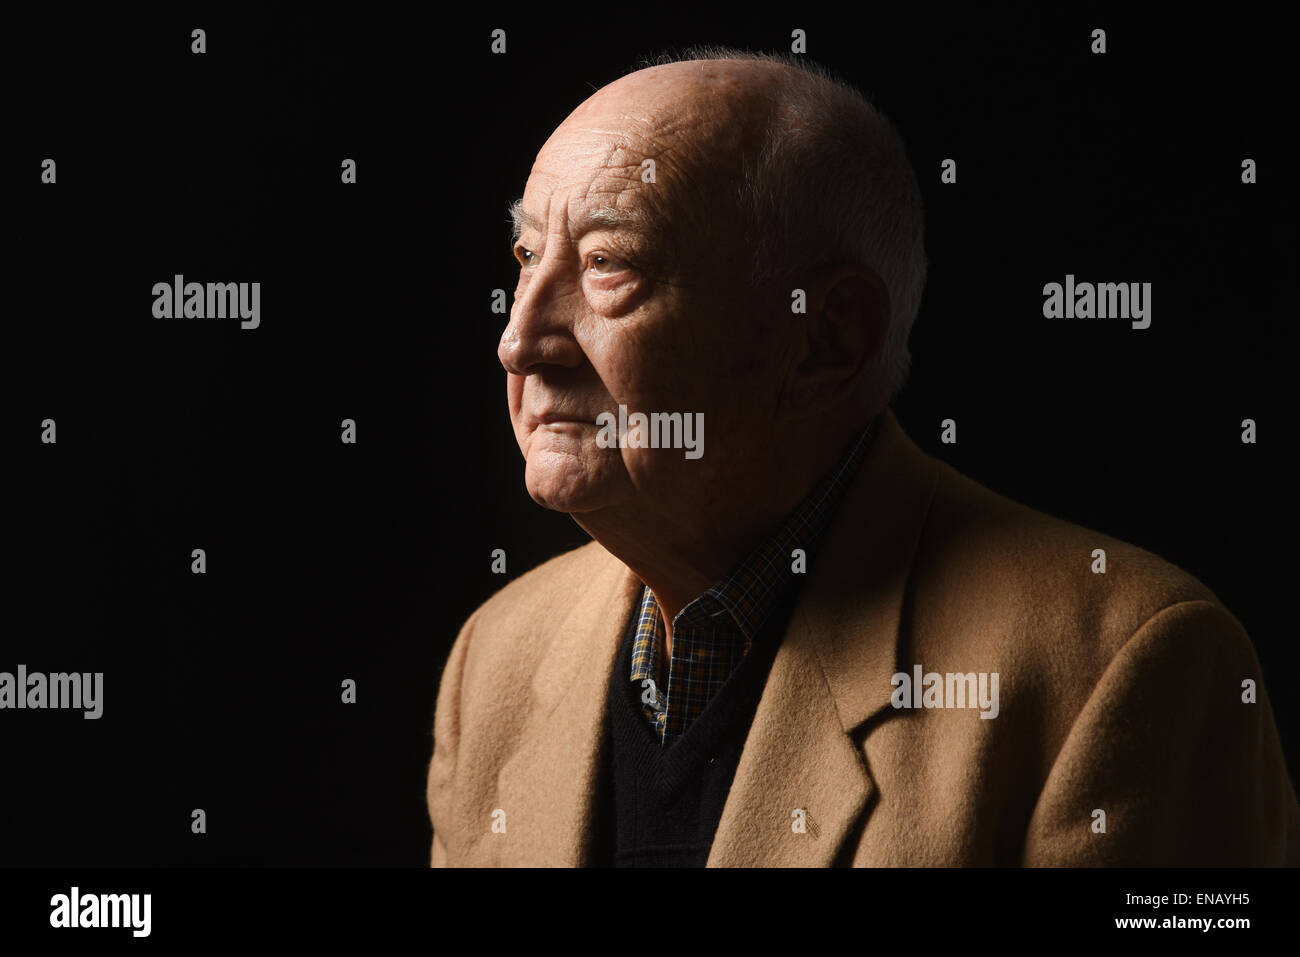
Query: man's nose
540, 331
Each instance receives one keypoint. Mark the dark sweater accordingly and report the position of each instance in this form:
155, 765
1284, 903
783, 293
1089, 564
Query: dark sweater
661, 805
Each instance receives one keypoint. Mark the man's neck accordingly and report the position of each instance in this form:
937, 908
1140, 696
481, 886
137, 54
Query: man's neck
677, 563
679, 557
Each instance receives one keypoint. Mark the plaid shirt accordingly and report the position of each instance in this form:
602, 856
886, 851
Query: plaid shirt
712, 635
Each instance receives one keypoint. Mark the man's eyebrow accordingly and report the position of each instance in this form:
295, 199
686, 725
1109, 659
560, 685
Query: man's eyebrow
608, 217
519, 219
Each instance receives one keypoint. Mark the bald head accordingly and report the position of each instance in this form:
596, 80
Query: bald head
697, 122
732, 85
790, 162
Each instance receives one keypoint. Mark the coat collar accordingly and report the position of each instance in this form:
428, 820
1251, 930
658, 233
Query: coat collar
836, 659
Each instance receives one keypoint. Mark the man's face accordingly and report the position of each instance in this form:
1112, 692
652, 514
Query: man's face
654, 315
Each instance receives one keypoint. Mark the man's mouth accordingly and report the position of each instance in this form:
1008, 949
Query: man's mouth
555, 418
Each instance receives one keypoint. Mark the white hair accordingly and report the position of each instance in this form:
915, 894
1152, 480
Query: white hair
831, 185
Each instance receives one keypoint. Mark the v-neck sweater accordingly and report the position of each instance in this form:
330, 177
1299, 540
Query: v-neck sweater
662, 805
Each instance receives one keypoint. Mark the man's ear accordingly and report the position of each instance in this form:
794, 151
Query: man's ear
844, 331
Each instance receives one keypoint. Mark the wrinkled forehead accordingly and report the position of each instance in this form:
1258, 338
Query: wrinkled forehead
603, 164
666, 158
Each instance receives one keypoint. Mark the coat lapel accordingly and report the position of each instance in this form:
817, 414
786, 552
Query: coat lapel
549, 786
802, 785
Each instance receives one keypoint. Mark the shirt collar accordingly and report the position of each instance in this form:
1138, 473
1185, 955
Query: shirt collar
752, 588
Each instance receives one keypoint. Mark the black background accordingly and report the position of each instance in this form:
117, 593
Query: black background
329, 561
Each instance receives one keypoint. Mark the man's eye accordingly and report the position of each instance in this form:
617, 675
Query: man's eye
528, 256
603, 265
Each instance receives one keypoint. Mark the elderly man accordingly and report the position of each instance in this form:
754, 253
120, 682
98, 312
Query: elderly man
796, 639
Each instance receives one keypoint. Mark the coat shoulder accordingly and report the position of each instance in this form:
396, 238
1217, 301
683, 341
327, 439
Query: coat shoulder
550, 587
1050, 606
510, 632
1059, 591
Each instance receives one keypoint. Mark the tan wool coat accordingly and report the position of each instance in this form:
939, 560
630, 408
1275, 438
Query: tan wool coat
1121, 735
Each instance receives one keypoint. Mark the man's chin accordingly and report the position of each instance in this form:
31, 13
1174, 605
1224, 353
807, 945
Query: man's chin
566, 486
565, 500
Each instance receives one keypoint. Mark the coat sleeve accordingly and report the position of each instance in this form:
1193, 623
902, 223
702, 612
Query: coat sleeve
439, 852
446, 738
1186, 772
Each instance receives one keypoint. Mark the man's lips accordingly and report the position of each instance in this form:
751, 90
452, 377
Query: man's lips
551, 418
